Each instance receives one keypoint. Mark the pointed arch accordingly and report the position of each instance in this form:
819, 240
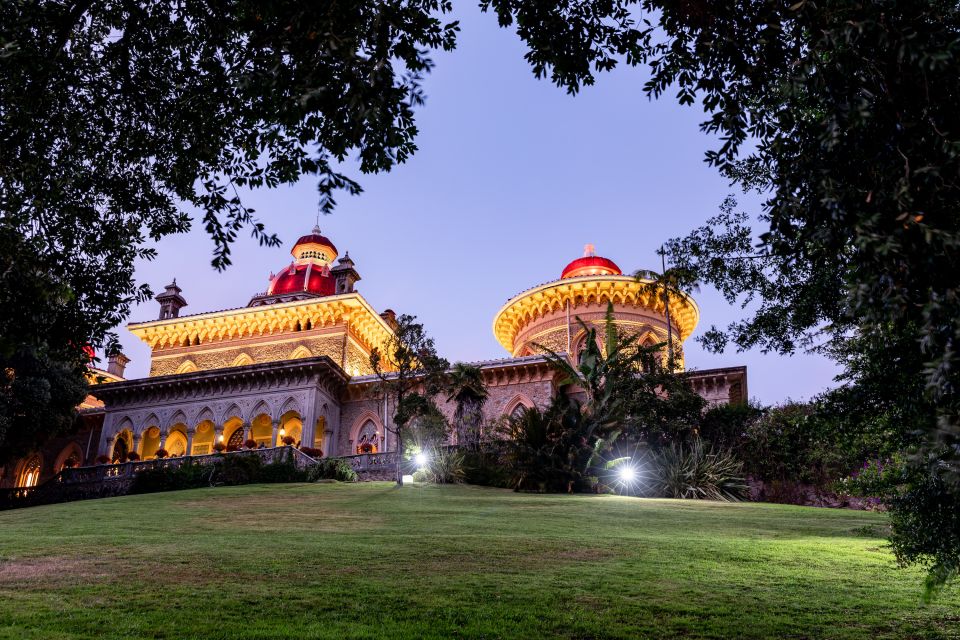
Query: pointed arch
519, 402
187, 366
242, 360
71, 456
300, 352
179, 417
233, 411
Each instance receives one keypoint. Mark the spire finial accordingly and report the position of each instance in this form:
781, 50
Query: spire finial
589, 250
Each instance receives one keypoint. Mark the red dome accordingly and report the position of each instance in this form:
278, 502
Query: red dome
313, 238
591, 266
293, 279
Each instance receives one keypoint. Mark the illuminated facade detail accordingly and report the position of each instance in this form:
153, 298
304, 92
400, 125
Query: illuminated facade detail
295, 363
546, 315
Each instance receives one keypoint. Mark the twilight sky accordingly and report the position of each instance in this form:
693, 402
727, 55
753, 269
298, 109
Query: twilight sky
512, 178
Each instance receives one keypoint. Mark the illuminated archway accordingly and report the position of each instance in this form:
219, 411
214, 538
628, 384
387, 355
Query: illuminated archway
292, 425
176, 444
28, 474
368, 438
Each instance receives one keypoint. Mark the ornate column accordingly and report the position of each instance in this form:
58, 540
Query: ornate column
137, 441
276, 431
163, 439
190, 434
247, 431
327, 443
108, 446
217, 435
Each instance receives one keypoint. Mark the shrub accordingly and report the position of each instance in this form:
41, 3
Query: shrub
486, 468
288, 440
312, 452
446, 467
421, 475
332, 469
698, 472
133, 456
161, 453
102, 459
185, 476
250, 443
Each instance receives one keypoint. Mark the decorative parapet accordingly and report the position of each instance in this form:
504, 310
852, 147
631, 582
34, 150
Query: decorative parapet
554, 297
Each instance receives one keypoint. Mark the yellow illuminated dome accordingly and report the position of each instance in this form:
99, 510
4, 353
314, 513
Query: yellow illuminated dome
545, 316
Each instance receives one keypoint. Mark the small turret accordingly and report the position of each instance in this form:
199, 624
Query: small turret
345, 274
171, 301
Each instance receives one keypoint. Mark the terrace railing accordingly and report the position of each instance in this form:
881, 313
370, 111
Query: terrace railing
107, 480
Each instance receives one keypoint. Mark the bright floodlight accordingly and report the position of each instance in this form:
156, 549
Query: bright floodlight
420, 459
627, 474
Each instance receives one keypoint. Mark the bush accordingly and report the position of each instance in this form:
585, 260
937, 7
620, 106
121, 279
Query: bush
698, 472
161, 454
446, 466
288, 440
332, 469
486, 468
312, 452
421, 475
133, 456
250, 443
186, 476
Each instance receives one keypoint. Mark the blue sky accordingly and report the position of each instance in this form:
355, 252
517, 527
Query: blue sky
512, 178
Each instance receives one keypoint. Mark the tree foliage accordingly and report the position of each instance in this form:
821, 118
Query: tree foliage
411, 374
121, 121
466, 390
843, 114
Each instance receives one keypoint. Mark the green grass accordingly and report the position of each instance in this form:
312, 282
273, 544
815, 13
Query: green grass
370, 561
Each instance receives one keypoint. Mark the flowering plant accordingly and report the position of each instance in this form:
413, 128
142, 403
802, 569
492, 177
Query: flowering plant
102, 459
312, 452
876, 478
219, 447
250, 443
161, 453
288, 440
133, 456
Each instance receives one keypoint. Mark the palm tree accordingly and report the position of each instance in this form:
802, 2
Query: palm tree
465, 387
606, 375
673, 282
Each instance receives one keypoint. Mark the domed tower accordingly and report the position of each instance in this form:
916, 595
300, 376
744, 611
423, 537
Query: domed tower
547, 314
310, 274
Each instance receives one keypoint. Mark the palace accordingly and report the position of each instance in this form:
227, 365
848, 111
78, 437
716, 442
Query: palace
293, 364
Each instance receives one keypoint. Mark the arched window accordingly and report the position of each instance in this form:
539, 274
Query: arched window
368, 440
518, 411
120, 450
29, 472
236, 440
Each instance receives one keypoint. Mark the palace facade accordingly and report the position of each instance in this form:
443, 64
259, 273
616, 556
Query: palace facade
294, 364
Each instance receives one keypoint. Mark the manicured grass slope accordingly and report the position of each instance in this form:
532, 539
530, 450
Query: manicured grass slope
368, 560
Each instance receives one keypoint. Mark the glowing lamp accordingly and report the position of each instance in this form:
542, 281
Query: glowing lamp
283, 432
627, 474
420, 459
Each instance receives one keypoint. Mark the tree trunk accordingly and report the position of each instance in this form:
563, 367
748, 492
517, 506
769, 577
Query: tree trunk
399, 458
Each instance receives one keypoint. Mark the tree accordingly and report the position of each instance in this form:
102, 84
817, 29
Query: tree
667, 284
843, 115
119, 121
465, 388
630, 394
411, 374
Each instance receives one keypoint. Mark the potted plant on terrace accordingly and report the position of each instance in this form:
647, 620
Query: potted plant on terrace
161, 453
288, 440
250, 443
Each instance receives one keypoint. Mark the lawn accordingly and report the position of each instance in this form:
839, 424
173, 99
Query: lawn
371, 561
